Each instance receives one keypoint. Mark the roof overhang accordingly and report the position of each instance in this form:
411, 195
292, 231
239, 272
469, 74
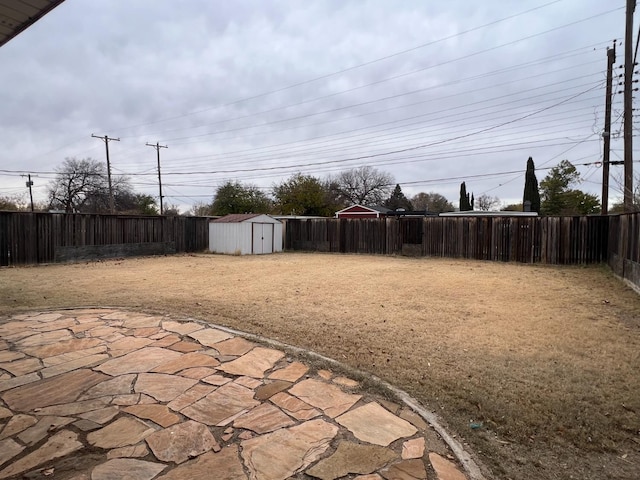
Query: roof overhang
18, 15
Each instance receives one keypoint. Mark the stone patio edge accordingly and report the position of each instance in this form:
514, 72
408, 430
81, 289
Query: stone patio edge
468, 463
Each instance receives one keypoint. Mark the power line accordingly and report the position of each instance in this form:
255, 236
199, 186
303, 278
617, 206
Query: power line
354, 67
305, 144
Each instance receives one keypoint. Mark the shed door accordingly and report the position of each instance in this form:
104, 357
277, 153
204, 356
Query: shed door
262, 238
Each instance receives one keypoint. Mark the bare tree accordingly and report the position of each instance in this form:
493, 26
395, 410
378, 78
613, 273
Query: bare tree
364, 185
81, 186
487, 203
200, 209
75, 183
432, 202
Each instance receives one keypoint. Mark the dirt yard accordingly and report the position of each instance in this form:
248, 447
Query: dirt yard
536, 368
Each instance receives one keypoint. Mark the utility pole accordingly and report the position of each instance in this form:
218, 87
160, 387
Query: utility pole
611, 58
628, 107
107, 139
157, 146
29, 184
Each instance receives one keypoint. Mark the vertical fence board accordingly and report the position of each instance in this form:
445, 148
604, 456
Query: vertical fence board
29, 238
553, 240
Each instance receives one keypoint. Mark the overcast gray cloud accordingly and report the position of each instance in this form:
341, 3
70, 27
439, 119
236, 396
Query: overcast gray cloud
478, 97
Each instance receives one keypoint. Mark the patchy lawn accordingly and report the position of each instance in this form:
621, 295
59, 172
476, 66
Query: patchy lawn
545, 359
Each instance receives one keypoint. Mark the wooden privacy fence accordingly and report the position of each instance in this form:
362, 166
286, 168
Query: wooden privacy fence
624, 247
552, 240
27, 238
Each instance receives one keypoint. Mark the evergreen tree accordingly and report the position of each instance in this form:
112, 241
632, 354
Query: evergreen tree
559, 197
531, 192
397, 200
465, 202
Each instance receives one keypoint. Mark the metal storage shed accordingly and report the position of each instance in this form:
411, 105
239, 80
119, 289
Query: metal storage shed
245, 234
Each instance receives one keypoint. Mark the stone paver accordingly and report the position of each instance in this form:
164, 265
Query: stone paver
181, 442
163, 387
222, 405
159, 414
40, 430
17, 424
9, 449
21, 367
226, 465
352, 458
406, 470
268, 390
445, 470
294, 406
132, 451
190, 396
153, 397
210, 336
413, 448
124, 431
120, 385
59, 445
234, 346
127, 468
254, 363
189, 360
264, 418
8, 356
142, 360
74, 408
183, 328
295, 448
330, 398
291, 373
49, 392
374, 424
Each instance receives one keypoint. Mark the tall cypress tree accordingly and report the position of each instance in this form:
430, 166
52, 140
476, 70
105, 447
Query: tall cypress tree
531, 192
465, 204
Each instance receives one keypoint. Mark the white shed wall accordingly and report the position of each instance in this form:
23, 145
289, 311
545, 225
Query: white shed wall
230, 238
234, 238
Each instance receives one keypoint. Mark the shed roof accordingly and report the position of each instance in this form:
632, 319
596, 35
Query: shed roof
236, 217
246, 217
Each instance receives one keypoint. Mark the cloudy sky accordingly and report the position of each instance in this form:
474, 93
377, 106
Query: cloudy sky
433, 92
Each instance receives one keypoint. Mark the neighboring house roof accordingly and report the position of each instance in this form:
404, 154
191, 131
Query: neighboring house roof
357, 208
381, 209
236, 218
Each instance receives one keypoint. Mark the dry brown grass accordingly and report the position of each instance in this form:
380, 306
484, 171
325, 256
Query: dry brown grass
547, 358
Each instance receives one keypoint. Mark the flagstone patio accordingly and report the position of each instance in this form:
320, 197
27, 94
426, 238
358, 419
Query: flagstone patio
104, 394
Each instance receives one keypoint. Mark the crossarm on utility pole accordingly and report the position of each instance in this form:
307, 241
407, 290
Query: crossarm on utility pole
157, 146
107, 139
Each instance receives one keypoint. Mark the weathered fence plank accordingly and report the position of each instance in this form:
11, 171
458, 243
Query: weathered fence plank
555, 240
29, 238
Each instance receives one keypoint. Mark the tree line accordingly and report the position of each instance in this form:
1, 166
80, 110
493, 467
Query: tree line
307, 195
81, 186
